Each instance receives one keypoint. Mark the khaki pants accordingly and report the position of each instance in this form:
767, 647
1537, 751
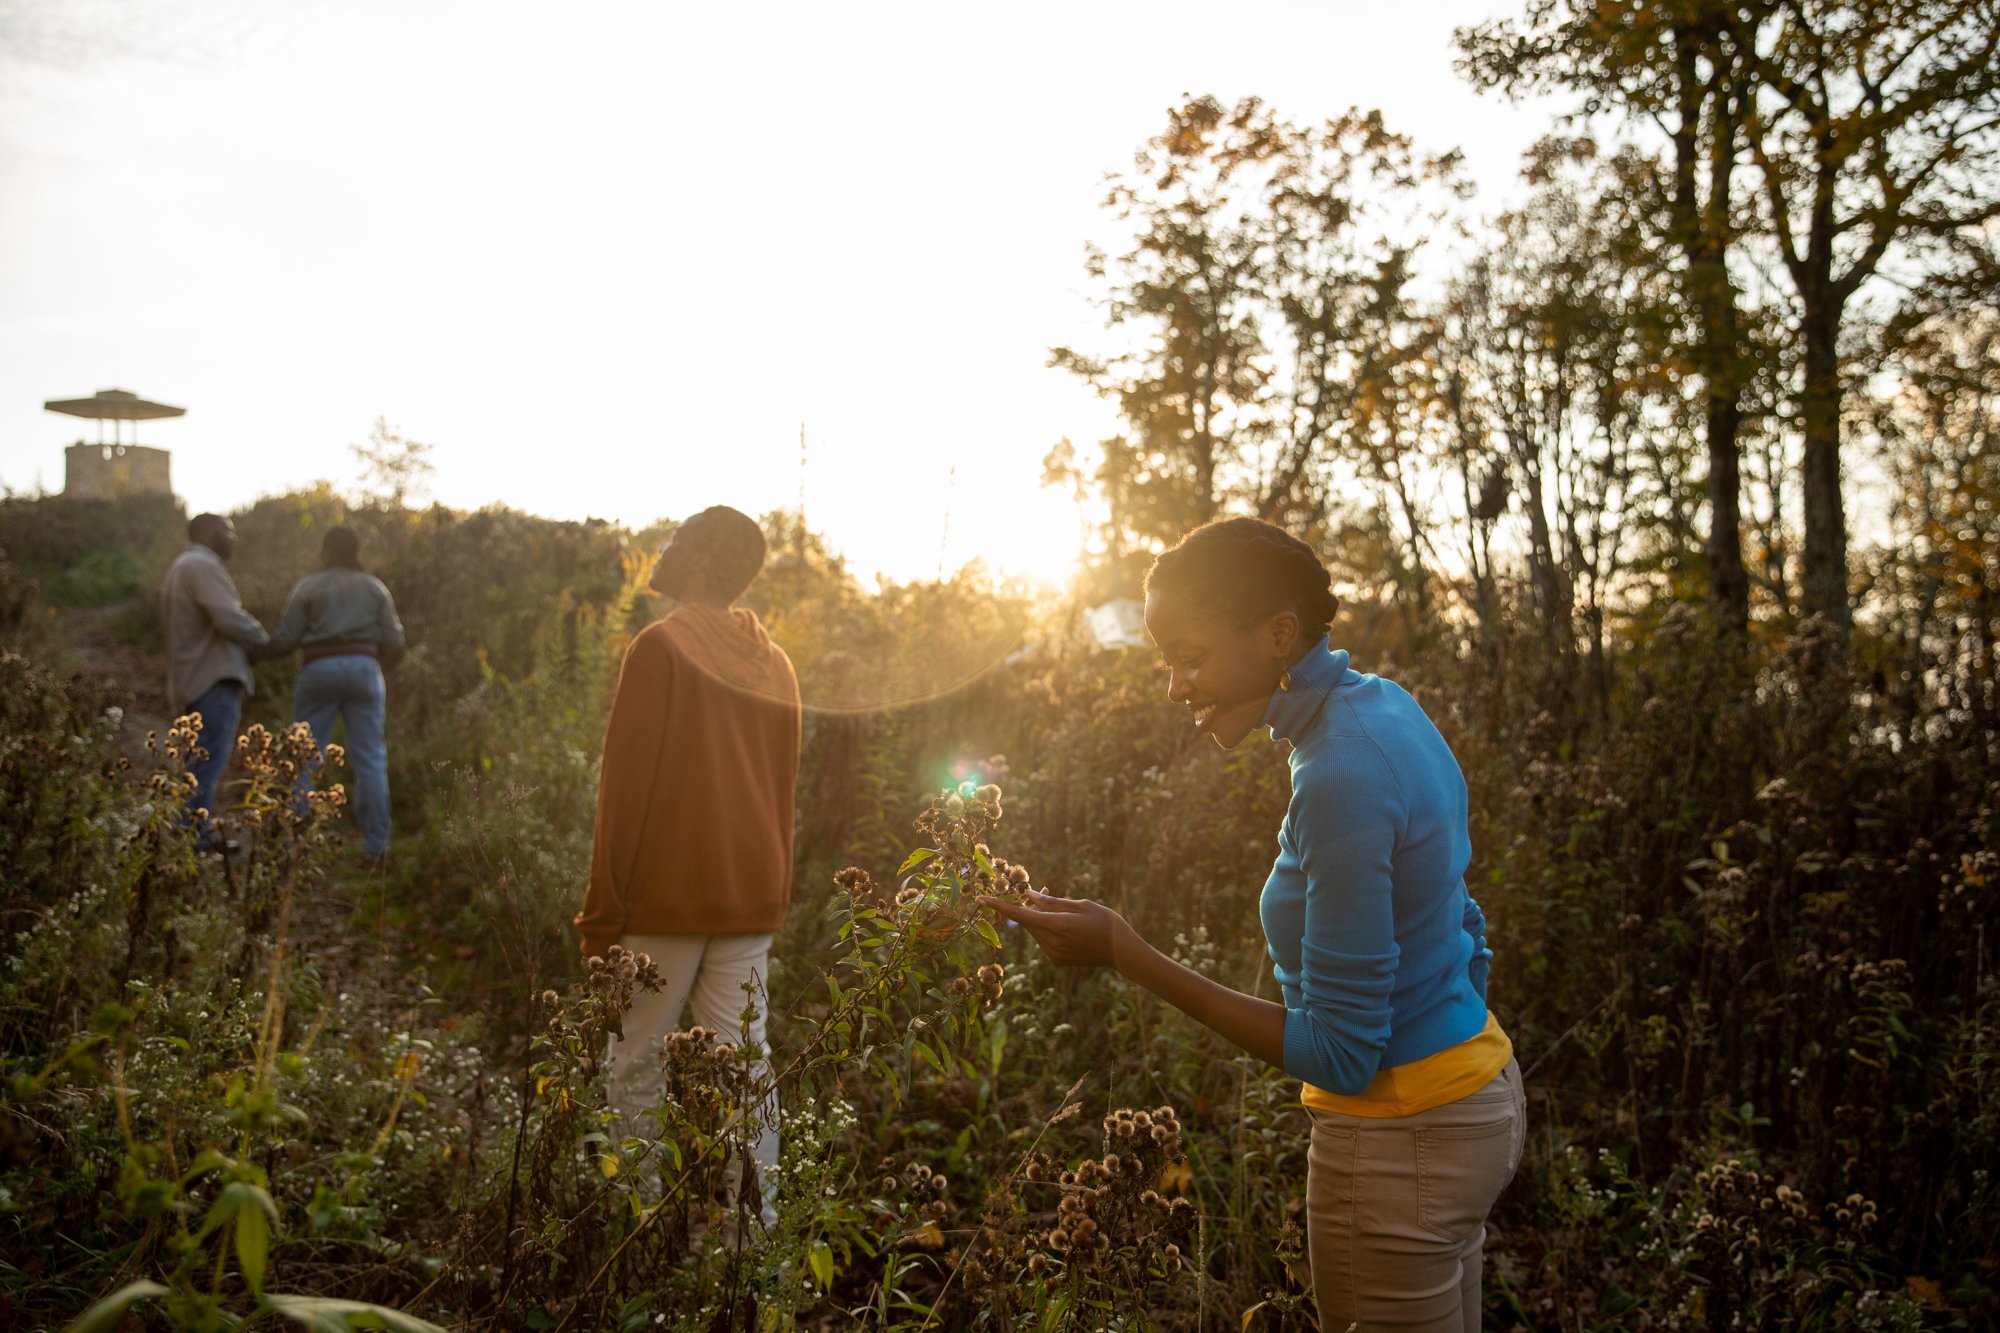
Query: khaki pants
1396, 1209
706, 973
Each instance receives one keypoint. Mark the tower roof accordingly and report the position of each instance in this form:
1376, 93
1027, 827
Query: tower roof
113, 405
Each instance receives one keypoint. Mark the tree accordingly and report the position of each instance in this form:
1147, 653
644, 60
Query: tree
1278, 343
1348, 207
1873, 125
1682, 67
1184, 289
393, 466
1937, 423
1555, 375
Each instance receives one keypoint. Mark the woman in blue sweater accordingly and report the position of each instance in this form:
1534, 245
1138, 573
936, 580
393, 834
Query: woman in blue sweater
1380, 953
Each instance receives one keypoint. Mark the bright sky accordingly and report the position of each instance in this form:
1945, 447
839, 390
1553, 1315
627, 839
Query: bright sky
607, 256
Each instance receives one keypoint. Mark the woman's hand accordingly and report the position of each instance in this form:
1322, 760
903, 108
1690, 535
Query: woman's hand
1077, 933
1073, 931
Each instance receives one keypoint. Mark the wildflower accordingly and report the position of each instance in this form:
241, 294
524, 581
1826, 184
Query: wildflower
856, 883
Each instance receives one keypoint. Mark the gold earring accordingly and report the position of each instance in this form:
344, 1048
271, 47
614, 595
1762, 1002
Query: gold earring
1285, 681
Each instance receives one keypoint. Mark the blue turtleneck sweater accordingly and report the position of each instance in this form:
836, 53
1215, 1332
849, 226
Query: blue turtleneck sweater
1379, 950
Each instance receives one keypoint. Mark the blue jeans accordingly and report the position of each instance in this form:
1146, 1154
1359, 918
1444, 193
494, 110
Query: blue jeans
350, 687
221, 707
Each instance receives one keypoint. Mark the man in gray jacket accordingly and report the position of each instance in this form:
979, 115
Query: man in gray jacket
208, 667
346, 622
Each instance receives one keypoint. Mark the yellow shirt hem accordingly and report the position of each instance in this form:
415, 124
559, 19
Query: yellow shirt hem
1452, 1073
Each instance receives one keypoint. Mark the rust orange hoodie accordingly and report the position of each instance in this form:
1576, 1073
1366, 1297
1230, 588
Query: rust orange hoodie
696, 795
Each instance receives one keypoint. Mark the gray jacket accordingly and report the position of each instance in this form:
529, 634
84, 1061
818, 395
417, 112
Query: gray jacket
334, 611
207, 628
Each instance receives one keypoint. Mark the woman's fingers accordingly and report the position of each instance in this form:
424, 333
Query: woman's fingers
1061, 926
1043, 906
1042, 925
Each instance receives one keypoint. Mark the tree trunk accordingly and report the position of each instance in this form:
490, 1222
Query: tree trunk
1705, 230
1824, 579
1728, 583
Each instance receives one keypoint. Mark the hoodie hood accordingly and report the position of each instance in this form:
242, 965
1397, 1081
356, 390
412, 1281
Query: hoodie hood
733, 647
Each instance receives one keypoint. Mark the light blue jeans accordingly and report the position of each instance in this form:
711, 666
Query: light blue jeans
350, 687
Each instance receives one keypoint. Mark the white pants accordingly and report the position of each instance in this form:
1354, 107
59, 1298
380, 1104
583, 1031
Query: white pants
707, 972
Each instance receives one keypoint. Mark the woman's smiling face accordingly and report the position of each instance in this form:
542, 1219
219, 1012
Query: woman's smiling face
1222, 671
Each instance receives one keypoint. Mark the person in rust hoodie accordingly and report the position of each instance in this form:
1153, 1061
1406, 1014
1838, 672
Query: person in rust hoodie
692, 859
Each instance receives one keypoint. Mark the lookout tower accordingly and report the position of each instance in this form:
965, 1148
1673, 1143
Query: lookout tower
110, 471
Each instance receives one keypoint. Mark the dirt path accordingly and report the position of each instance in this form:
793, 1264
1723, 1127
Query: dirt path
93, 637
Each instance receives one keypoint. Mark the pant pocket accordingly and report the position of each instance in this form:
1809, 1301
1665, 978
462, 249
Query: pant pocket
1461, 1170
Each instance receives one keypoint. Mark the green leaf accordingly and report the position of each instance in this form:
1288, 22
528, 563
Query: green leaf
103, 1316
915, 859
109, 1018
207, 1160
219, 1213
986, 932
820, 1257
253, 1235
325, 1315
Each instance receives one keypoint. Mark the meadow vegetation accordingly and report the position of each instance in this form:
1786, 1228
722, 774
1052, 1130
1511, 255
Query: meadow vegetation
1740, 910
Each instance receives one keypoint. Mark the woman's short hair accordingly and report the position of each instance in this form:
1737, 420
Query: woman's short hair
733, 543
1245, 569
